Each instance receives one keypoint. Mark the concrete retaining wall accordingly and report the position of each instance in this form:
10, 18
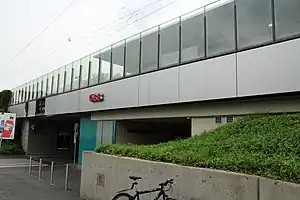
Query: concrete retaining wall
104, 175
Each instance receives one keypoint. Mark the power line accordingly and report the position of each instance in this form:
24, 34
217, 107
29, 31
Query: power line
160, 8
40, 33
130, 15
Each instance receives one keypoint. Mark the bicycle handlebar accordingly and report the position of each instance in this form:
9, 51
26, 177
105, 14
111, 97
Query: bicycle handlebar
167, 182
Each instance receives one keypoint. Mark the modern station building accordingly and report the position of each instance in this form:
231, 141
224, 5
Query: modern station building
176, 80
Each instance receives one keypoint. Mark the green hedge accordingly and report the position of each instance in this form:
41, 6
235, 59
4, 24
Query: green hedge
266, 145
11, 148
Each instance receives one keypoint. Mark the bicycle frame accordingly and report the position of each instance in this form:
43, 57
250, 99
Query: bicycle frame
161, 193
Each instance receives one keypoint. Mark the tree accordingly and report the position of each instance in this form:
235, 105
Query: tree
5, 97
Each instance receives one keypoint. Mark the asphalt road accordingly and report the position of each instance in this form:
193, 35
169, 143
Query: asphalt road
16, 184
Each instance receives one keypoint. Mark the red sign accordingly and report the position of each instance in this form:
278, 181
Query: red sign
96, 97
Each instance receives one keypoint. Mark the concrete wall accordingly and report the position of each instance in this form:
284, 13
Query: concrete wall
25, 134
207, 109
18, 109
201, 124
191, 183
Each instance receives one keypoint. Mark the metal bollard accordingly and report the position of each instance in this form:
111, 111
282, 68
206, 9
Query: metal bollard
40, 169
67, 177
51, 173
30, 165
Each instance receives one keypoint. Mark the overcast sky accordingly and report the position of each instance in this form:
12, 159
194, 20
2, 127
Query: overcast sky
90, 25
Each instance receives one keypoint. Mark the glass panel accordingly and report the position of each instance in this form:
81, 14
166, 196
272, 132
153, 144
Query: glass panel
149, 50
44, 89
33, 94
105, 65
84, 62
29, 91
192, 36
39, 86
25, 92
76, 74
118, 60
94, 68
55, 82
220, 28
132, 56
61, 79
254, 22
68, 78
49, 84
169, 44
107, 132
287, 18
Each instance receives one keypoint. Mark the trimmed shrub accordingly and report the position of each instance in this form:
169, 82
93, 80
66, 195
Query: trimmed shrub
264, 145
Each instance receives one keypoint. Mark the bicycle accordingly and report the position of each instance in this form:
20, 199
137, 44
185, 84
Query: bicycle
122, 194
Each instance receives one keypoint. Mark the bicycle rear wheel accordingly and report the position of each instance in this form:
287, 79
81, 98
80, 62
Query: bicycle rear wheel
123, 196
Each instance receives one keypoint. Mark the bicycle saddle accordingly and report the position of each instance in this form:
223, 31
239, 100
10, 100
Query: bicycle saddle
134, 178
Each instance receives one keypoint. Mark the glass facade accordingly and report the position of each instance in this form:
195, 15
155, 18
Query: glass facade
49, 84
287, 18
33, 94
217, 29
254, 22
192, 36
105, 65
94, 69
76, 75
61, 79
220, 28
68, 78
149, 55
118, 60
169, 44
84, 77
44, 85
39, 87
132, 55
54, 82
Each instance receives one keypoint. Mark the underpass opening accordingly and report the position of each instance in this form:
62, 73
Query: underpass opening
152, 131
53, 138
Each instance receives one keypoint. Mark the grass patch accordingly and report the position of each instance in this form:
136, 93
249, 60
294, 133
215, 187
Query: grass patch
264, 145
11, 148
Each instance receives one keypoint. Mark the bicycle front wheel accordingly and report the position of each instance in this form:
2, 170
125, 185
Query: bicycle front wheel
123, 196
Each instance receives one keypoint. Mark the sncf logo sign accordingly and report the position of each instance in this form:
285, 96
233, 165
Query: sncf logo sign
96, 97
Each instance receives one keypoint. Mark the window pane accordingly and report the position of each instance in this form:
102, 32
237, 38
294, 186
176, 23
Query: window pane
169, 44
220, 28
118, 61
94, 68
84, 62
149, 50
287, 18
192, 36
49, 84
61, 79
132, 56
68, 78
39, 94
76, 73
254, 22
55, 82
44, 89
105, 65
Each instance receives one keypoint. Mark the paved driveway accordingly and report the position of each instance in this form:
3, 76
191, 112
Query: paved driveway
16, 184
